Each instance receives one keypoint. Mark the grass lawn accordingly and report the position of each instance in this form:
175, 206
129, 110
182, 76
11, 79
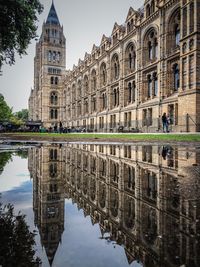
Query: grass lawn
137, 137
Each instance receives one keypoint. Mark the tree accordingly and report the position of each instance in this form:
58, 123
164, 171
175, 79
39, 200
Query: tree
22, 115
17, 27
17, 242
5, 110
4, 159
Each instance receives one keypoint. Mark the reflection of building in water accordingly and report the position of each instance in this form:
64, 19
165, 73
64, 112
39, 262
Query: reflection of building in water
48, 196
139, 195
136, 194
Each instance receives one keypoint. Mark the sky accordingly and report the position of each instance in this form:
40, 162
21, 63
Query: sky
84, 22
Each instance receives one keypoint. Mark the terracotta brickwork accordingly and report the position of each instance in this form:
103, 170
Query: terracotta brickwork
148, 66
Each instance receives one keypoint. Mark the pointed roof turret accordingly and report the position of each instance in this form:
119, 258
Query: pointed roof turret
52, 17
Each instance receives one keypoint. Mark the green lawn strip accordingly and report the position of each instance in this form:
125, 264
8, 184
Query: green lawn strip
132, 137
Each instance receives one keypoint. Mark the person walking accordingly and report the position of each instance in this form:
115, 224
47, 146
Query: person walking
164, 122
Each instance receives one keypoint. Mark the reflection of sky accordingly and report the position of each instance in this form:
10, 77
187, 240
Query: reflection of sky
15, 173
81, 244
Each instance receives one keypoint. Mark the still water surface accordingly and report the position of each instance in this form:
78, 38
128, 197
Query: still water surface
107, 205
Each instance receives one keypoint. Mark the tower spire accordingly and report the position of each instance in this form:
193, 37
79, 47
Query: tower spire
52, 17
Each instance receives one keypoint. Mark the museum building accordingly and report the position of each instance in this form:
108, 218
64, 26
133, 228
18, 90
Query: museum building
147, 67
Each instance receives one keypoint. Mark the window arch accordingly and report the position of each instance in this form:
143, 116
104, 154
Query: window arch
54, 98
93, 80
130, 58
115, 67
103, 74
151, 44
173, 40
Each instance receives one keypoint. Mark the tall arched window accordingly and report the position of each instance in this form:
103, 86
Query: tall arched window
150, 50
93, 80
115, 68
129, 92
177, 34
151, 43
130, 58
54, 98
86, 84
173, 36
149, 85
103, 74
191, 17
155, 84
116, 97
104, 100
148, 11
73, 92
56, 80
176, 77
152, 6
79, 89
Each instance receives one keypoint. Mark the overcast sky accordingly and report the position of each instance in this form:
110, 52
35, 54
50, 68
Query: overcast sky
84, 22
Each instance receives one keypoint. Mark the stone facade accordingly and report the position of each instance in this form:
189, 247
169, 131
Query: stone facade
148, 66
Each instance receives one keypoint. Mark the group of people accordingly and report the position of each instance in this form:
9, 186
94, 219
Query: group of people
166, 121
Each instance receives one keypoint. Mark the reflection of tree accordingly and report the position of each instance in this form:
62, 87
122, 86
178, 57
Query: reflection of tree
17, 242
22, 153
4, 158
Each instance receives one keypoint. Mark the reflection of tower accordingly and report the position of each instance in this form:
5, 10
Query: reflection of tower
48, 198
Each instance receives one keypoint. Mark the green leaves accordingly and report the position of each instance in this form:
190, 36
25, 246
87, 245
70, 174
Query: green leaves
5, 110
17, 241
17, 27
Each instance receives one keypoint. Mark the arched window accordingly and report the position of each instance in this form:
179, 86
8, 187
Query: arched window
73, 92
93, 80
150, 50
149, 81
173, 36
56, 80
53, 114
148, 11
86, 84
115, 68
176, 77
49, 55
191, 17
177, 34
103, 74
155, 84
129, 92
52, 80
79, 88
130, 58
152, 6
104, 100
116, 97
54, 98
151, 46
